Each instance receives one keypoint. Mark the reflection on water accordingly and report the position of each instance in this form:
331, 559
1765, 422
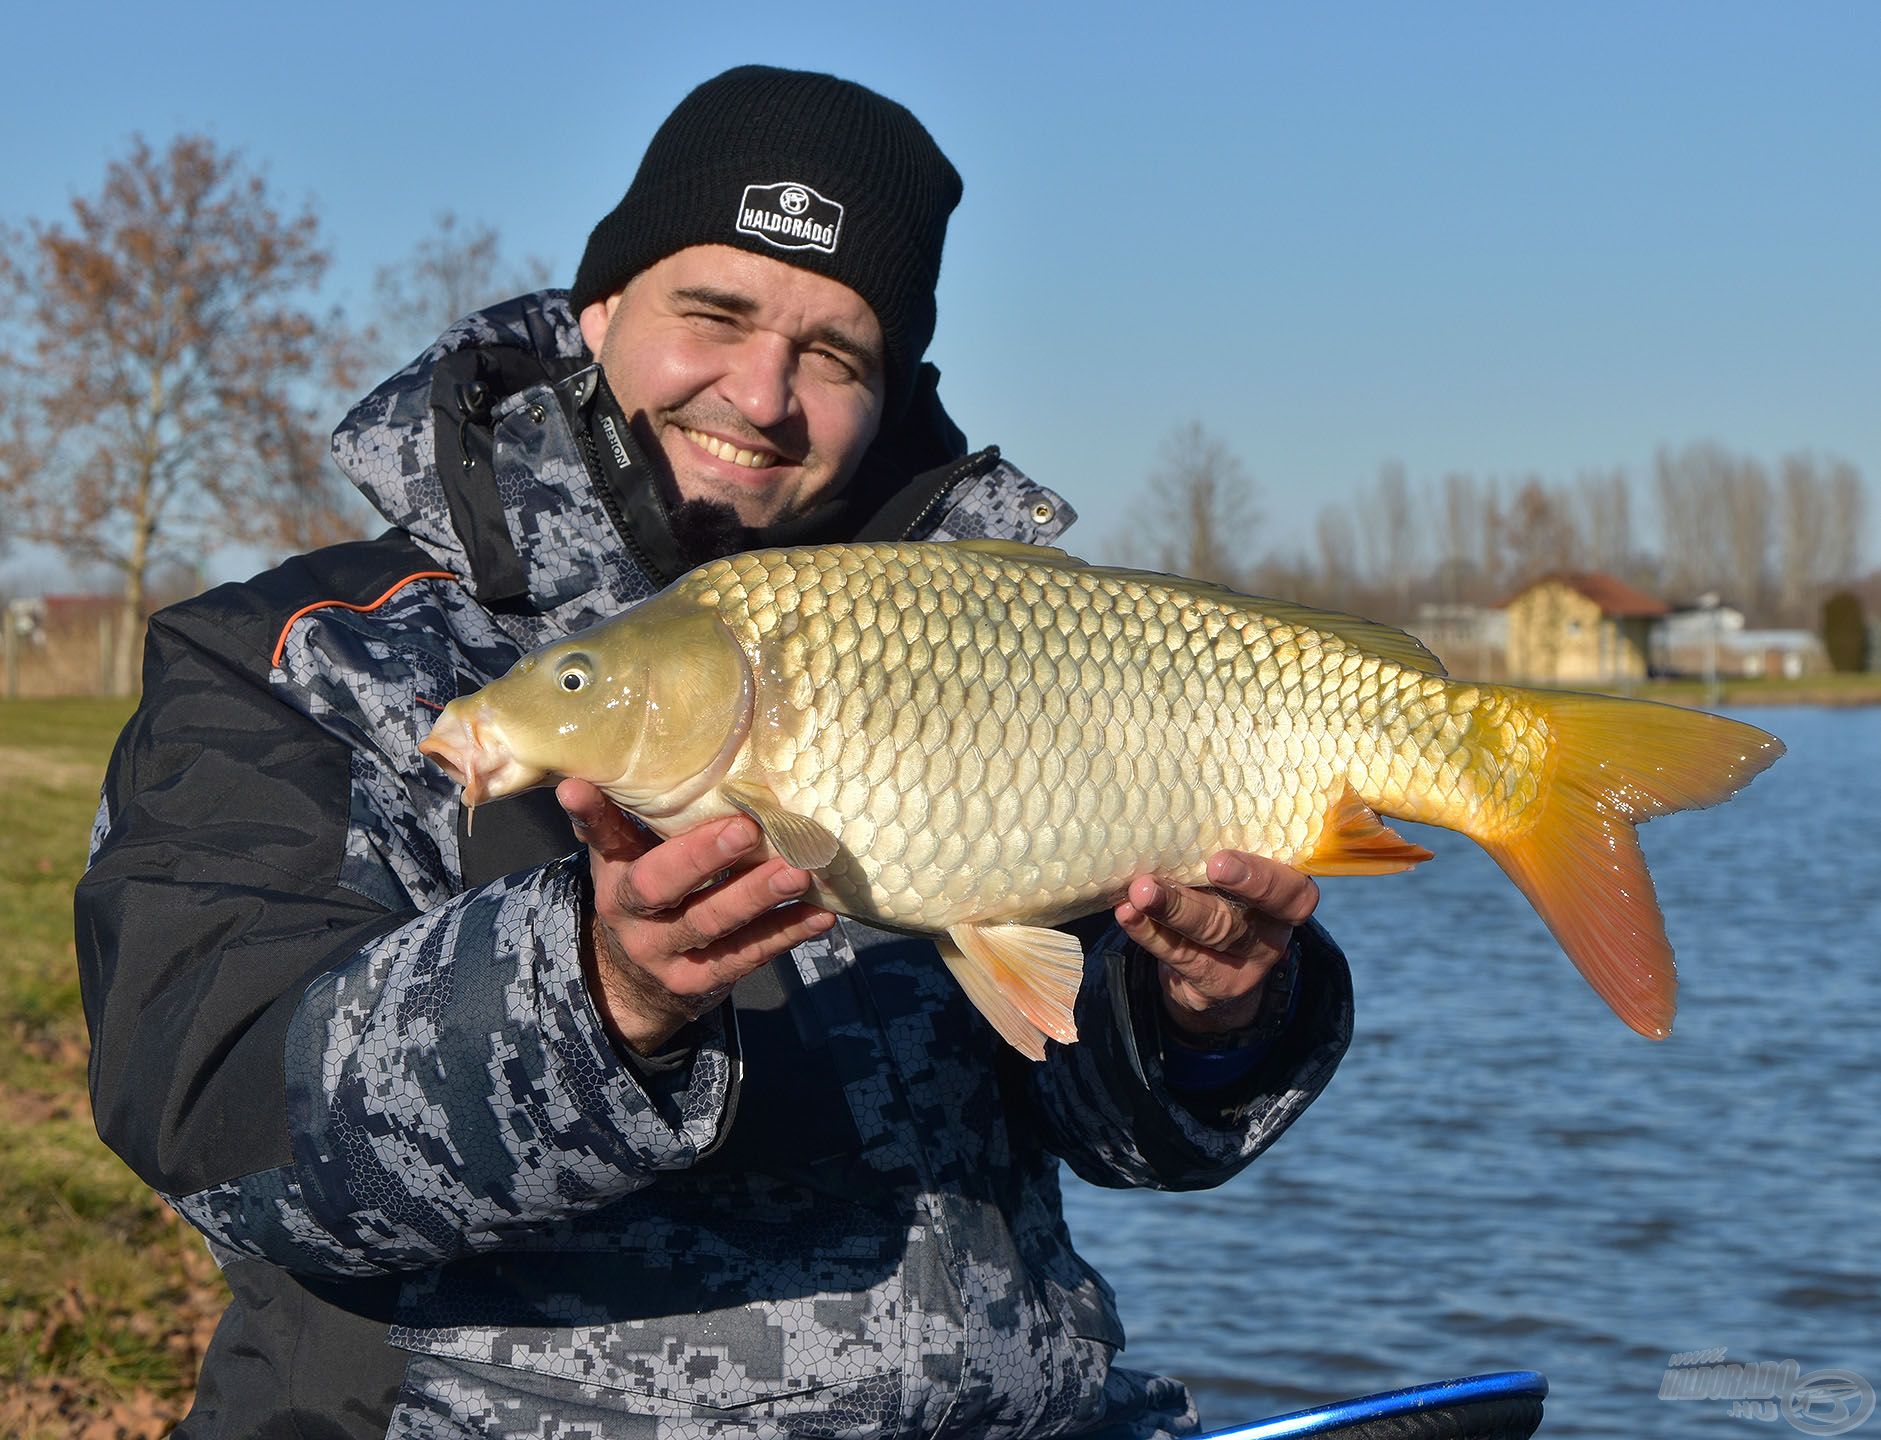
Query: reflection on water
1502, 1176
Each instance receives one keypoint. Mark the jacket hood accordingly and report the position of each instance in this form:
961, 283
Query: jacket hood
480, 367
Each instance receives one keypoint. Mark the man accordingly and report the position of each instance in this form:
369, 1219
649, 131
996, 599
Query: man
470, 1120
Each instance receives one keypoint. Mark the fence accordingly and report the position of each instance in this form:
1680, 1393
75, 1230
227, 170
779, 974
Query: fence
59, 645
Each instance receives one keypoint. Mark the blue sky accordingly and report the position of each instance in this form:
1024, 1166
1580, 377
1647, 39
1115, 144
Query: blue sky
1485, 237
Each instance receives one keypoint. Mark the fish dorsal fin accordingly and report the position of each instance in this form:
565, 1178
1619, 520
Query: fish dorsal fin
1387, 642
1356, 842
1023, 978
1018, 550
798, 838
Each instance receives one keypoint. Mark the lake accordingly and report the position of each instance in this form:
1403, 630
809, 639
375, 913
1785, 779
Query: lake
1502, 1176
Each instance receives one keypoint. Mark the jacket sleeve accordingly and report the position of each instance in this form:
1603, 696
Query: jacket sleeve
313, 1077
1106, 1109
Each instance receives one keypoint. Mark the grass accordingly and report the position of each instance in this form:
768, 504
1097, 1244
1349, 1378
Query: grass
1859, 688
106, 1300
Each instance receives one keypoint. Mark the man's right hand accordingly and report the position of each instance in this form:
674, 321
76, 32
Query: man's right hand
671, 931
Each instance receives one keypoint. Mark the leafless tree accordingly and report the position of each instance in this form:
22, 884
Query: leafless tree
1803, 547
1606, 529
1203, 513
165, 368
1848, 512
1539, 534
1392, 537
452, 272
1460, 541
1338, 556
1744, 504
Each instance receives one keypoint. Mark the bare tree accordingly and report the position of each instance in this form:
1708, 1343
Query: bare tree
1803, 547
1203, 514
1539, 535
1848, 512
1460, 542
457, 269
1606, 505
1338, 556
1691, 484
1744, 505
161, 376
1388, 525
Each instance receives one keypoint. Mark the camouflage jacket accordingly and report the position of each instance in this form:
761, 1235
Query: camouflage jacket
353, 1046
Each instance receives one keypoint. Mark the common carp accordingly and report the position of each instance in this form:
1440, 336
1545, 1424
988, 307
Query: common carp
980, 740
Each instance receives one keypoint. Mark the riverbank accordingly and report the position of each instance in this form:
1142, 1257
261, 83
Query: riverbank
1862, 688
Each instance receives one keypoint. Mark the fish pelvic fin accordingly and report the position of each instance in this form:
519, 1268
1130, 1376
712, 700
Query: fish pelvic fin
1612, 765
1023, 978
1356, 842
798, 838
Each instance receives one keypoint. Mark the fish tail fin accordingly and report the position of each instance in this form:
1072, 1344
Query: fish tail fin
1574, 851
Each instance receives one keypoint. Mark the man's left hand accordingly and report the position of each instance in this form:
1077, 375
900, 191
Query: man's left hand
1214, 946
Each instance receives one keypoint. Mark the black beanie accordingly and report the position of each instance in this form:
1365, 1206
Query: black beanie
808, 169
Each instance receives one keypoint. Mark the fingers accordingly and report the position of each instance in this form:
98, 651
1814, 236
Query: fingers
600, 824
729, 906
675, 868
1215, 946
1270, 887
759, 941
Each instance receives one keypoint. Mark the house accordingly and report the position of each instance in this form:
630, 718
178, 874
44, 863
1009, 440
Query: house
1581, 627
1707, 640
1471, 640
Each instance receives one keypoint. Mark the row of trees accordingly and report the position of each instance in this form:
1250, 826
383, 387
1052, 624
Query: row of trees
1771, 541
168, 374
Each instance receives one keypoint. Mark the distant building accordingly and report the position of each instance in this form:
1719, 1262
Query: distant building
1581, 627
1471, 640
1692, 639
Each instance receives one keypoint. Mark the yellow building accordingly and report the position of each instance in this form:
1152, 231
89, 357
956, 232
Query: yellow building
1583, 628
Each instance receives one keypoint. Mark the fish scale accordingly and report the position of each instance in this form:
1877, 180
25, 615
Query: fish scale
1061, 839
978, 740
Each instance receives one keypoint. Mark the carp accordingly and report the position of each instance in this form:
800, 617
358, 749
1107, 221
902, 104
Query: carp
979, 740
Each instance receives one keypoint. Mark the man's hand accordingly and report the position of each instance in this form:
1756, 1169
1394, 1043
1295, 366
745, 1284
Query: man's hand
1215, 946
672, 931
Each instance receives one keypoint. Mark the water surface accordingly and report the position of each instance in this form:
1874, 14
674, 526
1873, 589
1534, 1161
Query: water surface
1502, 1176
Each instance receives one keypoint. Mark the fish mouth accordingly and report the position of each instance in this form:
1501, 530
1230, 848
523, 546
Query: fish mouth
471, 749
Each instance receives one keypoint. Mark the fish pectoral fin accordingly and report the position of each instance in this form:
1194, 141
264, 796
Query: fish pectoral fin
1356, 842
798, 838
1023, 978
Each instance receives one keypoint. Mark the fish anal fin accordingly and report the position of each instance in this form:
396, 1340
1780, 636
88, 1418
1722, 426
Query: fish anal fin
1023, 978
1356, 842
797, 838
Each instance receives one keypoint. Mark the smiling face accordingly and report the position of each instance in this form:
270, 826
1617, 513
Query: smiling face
760, 384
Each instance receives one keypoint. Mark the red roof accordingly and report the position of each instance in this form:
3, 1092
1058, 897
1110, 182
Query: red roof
1614, 596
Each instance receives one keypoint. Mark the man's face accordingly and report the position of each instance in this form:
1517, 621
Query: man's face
761, 384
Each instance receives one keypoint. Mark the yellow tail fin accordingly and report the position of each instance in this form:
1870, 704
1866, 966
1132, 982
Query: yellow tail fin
1614, 764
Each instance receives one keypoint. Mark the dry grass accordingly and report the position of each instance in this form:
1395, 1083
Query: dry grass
106, 1300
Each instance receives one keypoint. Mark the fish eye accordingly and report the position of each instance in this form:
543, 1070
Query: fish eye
574, 674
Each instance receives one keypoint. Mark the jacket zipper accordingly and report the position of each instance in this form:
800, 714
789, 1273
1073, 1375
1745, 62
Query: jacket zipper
979, 460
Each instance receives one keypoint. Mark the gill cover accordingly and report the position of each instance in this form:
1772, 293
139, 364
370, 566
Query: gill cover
678, 691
